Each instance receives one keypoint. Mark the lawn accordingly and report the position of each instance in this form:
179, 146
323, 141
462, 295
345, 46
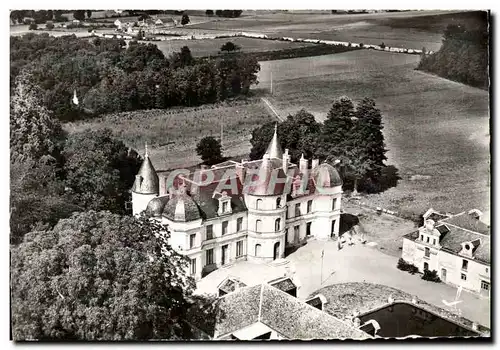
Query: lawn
172, 134
398, 29
211, 47
436, 130
384, 229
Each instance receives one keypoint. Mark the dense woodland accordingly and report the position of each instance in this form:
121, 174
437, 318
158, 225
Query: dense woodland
110, 77
464, 55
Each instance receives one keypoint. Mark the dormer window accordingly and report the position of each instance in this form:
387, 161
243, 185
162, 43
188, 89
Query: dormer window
224, 204
278, 202
465, 264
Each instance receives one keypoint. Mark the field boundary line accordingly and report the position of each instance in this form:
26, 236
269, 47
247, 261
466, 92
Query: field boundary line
266, 101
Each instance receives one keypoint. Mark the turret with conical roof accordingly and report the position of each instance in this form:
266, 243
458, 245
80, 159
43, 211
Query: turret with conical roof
274, 148
146, 185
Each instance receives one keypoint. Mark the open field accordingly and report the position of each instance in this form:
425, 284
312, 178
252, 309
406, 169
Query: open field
172, 134
436, 130
398, 29
210, 47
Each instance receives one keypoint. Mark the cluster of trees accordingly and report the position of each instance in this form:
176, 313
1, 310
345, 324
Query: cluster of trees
351, 134
225, 13
210, 150
54, 174
108, 76
463, 57
39, 17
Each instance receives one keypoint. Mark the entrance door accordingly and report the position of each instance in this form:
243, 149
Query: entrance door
443, 275
485, 288
308, 229
224, 254
276, 250
296, 234
332, 234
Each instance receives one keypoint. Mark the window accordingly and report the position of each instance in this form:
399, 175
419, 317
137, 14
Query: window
239, 224
224, 227
192, 266
286, 237
286, 213
485, 285
486, 270
308, 229
210, 232
426, 266
224, 207
297, 209
209, 257
192, 240
422, 238
278, 202
465, 264
434, 241
427, 239
463, 276
277, 224
257, 249
258, 204
334, 204
258, 226
427, 252
309, 206
239, 248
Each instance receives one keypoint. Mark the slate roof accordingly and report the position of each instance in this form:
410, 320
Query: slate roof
452, 242
468, 222
230, 284
146, 181
288, 316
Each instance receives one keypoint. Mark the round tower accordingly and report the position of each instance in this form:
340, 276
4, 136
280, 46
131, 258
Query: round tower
146, 186
265, 198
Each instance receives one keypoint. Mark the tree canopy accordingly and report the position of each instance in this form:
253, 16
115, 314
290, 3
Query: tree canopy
99, 169
108, 77
351, 134
229, 47
210, 150
464, 55
185, 19
99, 276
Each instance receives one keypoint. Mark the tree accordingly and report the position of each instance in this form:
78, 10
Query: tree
37, 197
229, 47
33, 26
298, 134
210, 150
49, 25
209, 12
100, 170
79, 15
89, 13
100, 276
33, 131
184, 19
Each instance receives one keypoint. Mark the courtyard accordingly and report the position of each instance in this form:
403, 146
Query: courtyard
353, 263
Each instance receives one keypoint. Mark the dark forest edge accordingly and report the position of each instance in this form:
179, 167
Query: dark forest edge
107, 75
464, 55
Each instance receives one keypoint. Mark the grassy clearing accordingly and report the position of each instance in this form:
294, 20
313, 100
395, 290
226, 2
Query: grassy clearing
172, 134
433, 127
386, 230
400, 29
211, 47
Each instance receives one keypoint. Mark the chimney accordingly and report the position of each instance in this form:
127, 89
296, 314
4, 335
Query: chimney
429, 225
315, 163
163, 185
357, 322
303, 164
286, 160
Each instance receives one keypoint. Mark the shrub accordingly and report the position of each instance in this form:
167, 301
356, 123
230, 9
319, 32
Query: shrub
361, 45
33, 26
49, 25
405, 266
431, 276
382, 45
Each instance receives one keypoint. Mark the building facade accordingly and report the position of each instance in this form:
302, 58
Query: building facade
248, 210
456, 246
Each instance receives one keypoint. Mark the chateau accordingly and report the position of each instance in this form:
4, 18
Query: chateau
248, 210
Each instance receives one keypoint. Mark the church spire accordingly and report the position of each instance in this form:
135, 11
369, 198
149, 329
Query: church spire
274, 148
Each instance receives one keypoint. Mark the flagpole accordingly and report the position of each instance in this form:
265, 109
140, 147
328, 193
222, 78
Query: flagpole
322, 254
